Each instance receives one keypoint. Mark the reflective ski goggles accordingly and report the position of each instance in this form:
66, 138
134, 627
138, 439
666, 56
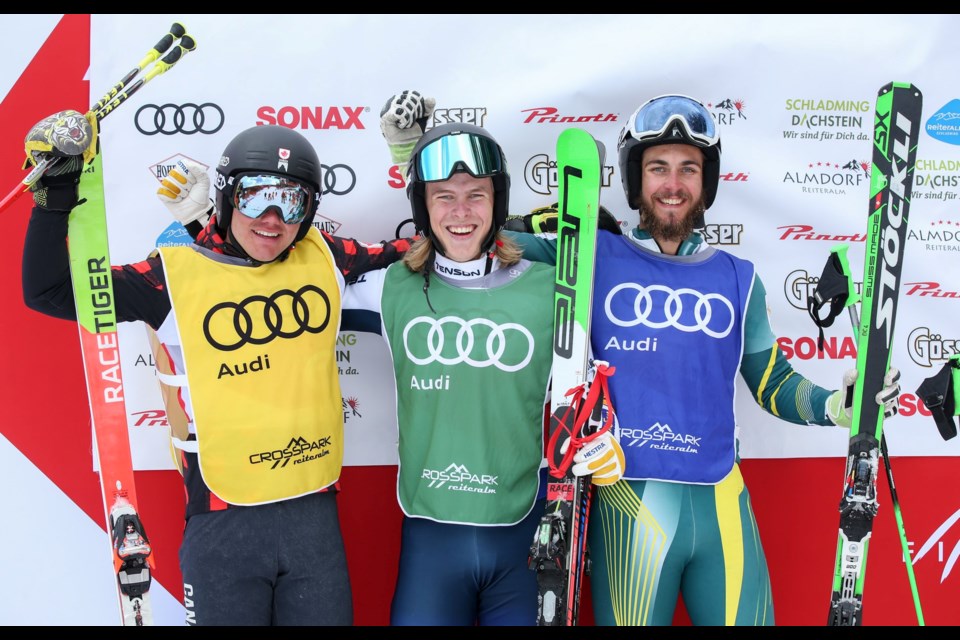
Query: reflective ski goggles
255, 194
654, 118
477, 155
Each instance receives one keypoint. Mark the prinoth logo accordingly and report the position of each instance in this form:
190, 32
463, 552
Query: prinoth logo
661, 437
799, 286
819, 119
807, 232
467, 115
929, 349
928, 290
833, 178
312, 117
456, 477
730, 176
540, 174
728, 111
892, 223
150, 418
297, 451
551, 115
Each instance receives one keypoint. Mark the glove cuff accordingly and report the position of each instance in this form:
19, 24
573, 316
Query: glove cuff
200, 213
836, 412
400, 153
58, 193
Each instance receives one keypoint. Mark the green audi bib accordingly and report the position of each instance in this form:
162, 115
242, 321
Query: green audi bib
472, 379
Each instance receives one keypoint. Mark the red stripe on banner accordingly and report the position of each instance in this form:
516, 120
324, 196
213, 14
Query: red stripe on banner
45, 412
52, 440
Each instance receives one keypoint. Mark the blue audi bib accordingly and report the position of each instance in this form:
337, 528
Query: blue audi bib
673, 328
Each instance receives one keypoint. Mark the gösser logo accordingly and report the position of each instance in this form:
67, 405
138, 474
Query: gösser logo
273, 317
188, 118
333, 174
496, 342
672, 309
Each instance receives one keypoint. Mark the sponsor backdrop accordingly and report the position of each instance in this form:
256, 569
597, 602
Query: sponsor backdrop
794, 97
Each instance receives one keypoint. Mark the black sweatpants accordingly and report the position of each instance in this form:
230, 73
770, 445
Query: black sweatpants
275, 564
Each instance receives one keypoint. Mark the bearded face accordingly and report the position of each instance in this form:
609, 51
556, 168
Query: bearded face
675, 227
671, 198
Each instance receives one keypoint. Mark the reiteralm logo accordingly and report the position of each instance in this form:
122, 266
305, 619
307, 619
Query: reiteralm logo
944, 125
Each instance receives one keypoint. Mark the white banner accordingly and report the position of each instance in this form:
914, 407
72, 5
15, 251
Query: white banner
794, 96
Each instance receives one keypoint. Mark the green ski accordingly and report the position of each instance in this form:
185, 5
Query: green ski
896, 129
558, 553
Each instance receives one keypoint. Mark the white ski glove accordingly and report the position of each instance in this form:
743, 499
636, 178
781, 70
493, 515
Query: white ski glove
403, 121
602, 457
840, 403
186, 192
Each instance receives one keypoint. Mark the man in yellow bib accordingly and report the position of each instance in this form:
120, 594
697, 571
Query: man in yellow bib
247, 320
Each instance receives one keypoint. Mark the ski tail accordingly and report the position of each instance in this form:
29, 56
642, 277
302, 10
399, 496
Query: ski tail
896, 130
559, 553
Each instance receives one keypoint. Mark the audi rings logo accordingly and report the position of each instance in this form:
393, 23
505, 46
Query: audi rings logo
495, 345
671, 314
286, 314
188, 118
338, 179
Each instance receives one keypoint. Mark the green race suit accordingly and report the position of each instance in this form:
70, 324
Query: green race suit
651, 540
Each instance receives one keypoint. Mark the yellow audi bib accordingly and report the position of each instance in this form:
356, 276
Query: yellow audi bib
259, 354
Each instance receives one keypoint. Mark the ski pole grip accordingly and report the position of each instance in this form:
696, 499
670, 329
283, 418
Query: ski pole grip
170, 59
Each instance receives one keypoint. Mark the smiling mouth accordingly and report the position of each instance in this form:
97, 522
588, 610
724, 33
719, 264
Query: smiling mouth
461, 231
266, 234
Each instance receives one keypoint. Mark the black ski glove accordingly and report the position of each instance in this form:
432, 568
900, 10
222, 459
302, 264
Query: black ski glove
544, 220
70, 139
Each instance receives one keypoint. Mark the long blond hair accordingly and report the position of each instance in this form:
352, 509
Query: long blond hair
416, 259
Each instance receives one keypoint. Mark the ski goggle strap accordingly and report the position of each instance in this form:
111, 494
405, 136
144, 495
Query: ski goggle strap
654, 119
477, 155
255, 194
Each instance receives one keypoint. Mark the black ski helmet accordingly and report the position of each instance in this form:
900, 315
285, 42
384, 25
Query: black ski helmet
267, 149
496, 168
669, 119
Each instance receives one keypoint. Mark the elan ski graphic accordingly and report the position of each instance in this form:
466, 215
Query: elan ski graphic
558, 553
